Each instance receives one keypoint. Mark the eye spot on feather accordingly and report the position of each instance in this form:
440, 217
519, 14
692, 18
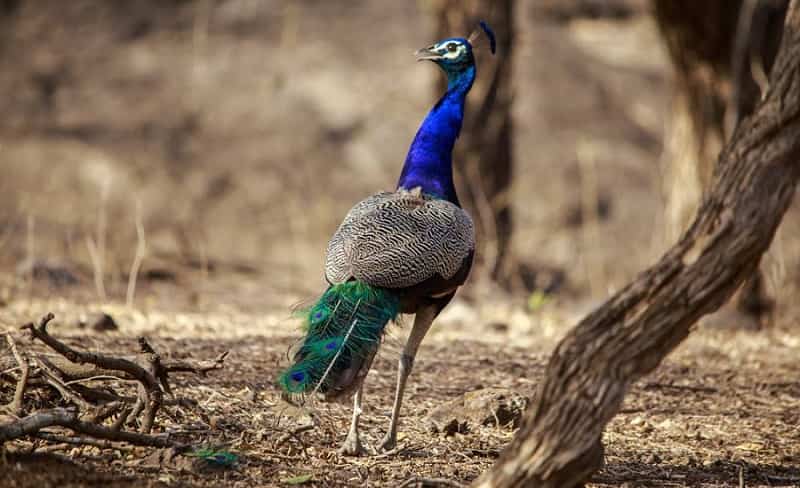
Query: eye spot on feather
331, 345
298, 376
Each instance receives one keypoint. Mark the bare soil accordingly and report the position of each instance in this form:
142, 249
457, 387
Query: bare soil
724, 407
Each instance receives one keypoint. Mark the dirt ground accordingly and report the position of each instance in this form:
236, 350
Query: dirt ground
723, 410
239, 132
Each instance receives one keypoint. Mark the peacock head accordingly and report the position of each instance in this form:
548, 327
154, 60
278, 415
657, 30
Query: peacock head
454, 55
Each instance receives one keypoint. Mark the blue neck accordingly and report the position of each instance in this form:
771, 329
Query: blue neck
429, 163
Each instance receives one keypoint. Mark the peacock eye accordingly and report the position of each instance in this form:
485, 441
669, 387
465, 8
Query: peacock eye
452, 47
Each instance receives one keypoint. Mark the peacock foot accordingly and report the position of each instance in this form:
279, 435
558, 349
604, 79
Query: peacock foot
352, 446
388, 443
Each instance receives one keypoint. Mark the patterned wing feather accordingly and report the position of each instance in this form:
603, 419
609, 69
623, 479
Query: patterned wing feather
399, 239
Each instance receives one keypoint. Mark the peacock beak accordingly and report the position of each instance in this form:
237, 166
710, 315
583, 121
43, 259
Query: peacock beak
428, 54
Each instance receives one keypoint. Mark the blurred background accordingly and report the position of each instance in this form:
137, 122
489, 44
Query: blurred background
199, 153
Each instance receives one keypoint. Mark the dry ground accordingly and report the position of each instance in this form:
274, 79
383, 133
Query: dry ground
724, 407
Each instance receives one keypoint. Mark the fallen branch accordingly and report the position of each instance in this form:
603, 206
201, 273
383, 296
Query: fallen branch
149, 386
68, 418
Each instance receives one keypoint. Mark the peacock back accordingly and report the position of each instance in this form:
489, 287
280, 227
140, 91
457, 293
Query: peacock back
400, 239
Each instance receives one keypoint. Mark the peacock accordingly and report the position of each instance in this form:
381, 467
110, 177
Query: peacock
405, 251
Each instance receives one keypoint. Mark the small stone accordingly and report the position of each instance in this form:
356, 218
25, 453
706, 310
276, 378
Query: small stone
99, 322
488, 406
252, 395
451, 428
499, 326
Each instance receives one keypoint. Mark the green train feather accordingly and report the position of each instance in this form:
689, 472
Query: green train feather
343, 330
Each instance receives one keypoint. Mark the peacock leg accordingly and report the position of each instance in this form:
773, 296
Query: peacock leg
352, 444
422, 322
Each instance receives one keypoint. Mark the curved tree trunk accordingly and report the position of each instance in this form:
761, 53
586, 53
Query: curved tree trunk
716, 47
484, 156
591, 370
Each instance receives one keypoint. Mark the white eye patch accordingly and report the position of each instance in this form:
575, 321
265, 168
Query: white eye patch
448, 54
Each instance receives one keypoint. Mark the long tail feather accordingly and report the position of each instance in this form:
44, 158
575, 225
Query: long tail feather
343, 332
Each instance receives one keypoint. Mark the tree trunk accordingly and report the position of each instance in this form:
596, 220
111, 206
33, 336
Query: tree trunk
559, 444
484, 156
699, 37
711, 45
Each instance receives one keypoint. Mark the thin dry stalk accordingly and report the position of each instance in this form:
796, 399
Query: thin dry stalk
490, 244
97, 267
594, 268
141, 250
5, 236
101, 240
31, 251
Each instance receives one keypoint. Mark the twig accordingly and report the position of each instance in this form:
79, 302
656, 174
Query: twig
196, 367
92, 378
420, 482
105, 411
295, 433
698, 389
122, 418
16, 404
82, 441
135, 411
396, 450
